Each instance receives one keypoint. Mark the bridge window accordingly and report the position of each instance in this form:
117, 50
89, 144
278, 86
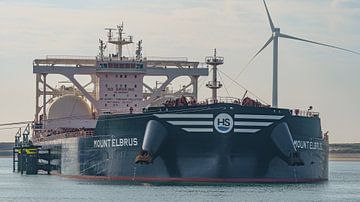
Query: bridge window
103, 65
139, 66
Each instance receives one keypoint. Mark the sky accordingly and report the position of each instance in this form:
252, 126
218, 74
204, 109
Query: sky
309, 75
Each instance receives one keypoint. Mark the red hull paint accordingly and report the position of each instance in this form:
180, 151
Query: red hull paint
194, 180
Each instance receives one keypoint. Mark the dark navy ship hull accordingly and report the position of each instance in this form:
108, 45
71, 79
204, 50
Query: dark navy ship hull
212, 143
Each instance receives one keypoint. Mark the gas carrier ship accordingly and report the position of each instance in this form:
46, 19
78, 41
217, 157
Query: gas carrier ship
118, 127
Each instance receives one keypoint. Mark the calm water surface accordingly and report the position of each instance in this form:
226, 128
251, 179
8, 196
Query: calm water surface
344, 185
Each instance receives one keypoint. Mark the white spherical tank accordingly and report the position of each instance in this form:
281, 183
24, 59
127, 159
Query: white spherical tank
69, 106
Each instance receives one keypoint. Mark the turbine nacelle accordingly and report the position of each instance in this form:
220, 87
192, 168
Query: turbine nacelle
276, 32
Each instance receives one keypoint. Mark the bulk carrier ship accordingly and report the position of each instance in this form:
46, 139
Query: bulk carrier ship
118, 127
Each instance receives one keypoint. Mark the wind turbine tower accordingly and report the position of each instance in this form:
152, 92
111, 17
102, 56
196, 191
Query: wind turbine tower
275, 39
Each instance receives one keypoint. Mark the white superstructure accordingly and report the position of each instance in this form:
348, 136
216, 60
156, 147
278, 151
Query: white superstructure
116, 85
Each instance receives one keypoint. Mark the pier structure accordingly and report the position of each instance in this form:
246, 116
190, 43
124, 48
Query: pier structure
29, 159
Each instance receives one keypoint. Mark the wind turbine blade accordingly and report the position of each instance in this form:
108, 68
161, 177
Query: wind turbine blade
262, 48
314, 42
269, 17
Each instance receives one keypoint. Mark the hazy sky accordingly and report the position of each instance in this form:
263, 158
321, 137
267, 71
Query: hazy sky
325, 78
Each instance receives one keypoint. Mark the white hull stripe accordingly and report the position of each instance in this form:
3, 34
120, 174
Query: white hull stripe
183, 116
240, 130
191, 123
199, 130
246, 123
253, 116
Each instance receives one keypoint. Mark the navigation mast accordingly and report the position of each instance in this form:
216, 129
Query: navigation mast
120, 40
214, 61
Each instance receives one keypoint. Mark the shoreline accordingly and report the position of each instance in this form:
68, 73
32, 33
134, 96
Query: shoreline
345, 159
344, 156
4, 157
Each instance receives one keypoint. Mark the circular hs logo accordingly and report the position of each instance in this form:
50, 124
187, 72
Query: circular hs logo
223, 123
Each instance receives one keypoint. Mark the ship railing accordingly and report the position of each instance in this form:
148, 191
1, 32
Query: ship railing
166, 62
73, 57
150, 58
179, 59
53, 135
233, 100
115, 58
214, 60
212, 84
67, 60
304, 113
121, 111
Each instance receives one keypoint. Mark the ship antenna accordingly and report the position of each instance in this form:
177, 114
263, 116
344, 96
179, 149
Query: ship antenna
138, 50
214, 61
101, 49
120, 29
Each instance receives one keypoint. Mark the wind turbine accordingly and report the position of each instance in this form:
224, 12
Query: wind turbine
275, 38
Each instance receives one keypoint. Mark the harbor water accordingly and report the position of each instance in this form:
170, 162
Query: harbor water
343, 185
